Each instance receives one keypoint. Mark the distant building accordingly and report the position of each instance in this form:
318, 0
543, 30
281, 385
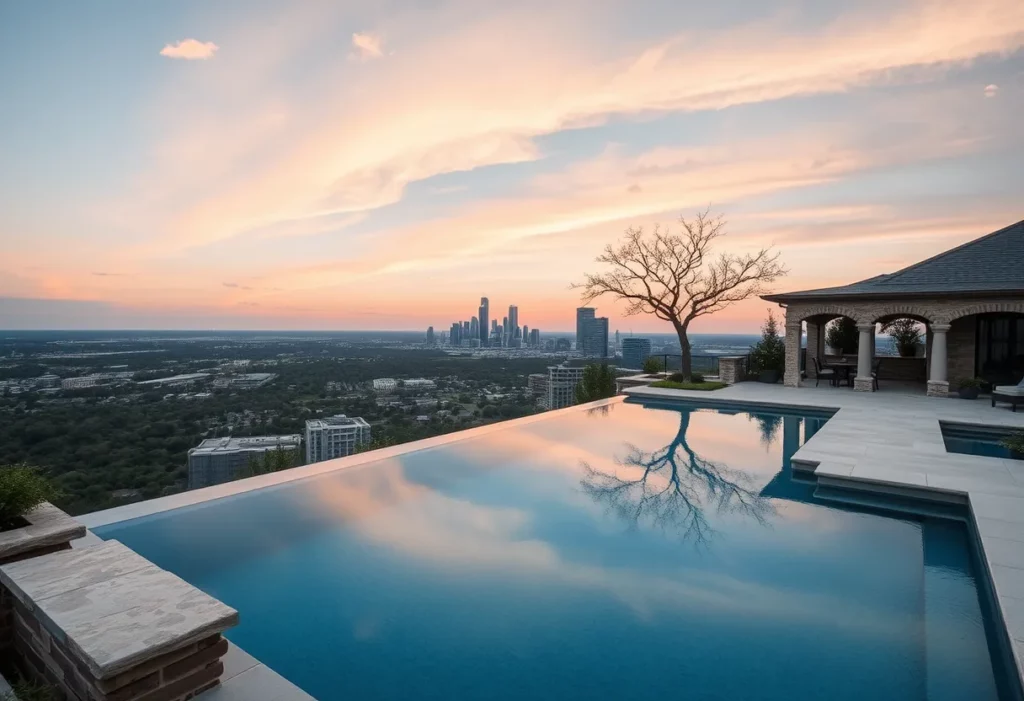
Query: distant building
635, 351
176, 380
595, 338
218, 460
252, 380
79, 382
563, 344
48, 381
385, 385
474, 327
417, 383
430, 335
618, 340
583, 315
335, 437
537, 384
455, 335
535, 337
485, 323
561, 386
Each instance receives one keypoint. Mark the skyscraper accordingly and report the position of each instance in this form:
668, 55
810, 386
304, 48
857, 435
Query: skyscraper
635, 351
485, 320
595, 337
455, 336
535, 337
618, 342
513, 317
474, 328
583, 315
430, 335
526, 335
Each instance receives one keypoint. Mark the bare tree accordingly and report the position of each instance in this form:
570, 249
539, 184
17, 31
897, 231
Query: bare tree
674, 277
676, 488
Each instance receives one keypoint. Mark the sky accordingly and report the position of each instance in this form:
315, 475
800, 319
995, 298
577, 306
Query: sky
354, 165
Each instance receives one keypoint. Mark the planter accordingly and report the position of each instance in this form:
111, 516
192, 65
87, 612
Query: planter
770, 377
968, 392
48, 529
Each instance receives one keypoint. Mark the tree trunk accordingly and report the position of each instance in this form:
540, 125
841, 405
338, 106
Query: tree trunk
685, 361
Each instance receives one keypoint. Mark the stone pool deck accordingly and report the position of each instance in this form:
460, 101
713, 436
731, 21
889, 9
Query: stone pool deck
892, 443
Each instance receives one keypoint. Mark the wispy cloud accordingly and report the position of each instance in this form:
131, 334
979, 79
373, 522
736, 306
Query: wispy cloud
366, 45
991, 90
190, 49
104, 274
235, 285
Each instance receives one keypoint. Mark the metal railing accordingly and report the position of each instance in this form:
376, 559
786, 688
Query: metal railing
704, 364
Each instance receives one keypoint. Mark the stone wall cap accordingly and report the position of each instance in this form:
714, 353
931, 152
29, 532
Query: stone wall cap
48, 526
113, 608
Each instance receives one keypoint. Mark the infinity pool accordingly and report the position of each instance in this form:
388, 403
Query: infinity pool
625, 552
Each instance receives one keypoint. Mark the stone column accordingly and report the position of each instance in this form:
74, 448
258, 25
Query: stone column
938, 385
863, 382
814, 336
730, 369
792, 376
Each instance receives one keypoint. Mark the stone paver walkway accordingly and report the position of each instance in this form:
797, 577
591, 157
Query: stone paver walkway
888, 442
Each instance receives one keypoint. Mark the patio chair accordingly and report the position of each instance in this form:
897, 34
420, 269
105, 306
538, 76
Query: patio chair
1009, 394
876, 364
820, 372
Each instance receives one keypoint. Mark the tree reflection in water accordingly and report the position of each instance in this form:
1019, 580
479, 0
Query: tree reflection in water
675, 488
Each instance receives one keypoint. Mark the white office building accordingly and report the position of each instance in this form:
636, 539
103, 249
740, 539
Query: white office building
561, 389
418, 383
219, 460
384, 385
335, 437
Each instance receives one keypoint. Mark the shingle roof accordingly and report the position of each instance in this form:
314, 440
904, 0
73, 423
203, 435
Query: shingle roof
992, 263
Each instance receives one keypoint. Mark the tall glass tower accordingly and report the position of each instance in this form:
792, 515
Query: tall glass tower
485, 321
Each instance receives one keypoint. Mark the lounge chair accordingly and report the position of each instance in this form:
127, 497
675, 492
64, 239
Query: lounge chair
823, 372
1010, 394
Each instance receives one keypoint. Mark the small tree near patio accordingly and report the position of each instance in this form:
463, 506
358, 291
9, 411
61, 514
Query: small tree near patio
905, 334
769, 353
675, 278
598, 382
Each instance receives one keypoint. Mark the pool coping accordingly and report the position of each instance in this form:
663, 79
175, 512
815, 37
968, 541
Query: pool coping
893, 444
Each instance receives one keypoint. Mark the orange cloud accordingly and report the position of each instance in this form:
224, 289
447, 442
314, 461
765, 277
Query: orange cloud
190, 49
366, 45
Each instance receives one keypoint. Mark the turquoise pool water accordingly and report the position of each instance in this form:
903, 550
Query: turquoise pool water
971, 440
629, 552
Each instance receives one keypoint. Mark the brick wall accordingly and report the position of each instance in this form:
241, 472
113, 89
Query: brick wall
7, 599
174, 676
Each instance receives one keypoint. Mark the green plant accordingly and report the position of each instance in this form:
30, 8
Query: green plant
1015, 442
676, 377
906, 334
25, 690
598, 382
22, 488
842, 335
769, 353
968, 382
696, 378
652, 365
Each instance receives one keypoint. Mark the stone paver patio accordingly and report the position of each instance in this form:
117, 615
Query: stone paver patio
892, 443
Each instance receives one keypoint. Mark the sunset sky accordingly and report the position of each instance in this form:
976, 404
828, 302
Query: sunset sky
383, 165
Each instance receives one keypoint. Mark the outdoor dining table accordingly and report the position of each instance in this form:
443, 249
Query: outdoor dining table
844, 371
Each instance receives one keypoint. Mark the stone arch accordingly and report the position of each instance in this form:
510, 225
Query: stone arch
832, 310
906, 311
949, 315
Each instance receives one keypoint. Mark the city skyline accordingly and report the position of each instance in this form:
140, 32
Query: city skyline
338, 165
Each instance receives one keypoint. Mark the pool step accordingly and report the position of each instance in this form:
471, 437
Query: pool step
887, 502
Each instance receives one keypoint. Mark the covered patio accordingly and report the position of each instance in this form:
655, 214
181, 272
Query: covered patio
969, 299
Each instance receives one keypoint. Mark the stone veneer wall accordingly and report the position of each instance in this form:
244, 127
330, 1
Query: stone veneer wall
177, 675
732, 369
960, 342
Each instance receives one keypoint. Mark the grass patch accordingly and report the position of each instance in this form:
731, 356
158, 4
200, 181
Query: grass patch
699, 386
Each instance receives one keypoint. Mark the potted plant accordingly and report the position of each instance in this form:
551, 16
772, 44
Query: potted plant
968, 387
768, 355
905, 334
28, 522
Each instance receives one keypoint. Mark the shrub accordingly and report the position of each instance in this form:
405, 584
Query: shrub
769, 353
906, 334
1015, 443
598, 382
22, 488
701, 386
652, 365
842, 335
969, 382
676, 377
696, 378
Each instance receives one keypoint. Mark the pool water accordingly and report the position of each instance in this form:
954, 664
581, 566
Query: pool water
625, 552
976, 440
